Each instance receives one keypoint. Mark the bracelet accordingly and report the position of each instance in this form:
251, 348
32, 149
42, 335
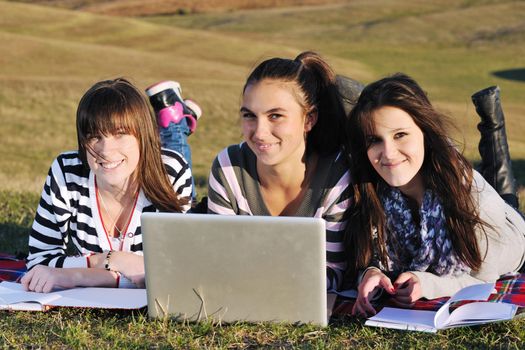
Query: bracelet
106, 260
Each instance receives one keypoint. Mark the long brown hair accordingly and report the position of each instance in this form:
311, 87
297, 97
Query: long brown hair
116, 105
317, 83
445, 171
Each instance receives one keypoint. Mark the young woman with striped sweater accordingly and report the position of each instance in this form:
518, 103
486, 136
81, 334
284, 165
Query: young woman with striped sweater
87, 226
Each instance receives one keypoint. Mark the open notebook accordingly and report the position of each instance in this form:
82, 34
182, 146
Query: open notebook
14, 297
476, 312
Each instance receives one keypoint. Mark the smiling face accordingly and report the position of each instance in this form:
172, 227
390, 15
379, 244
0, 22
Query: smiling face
396, 150
113, 159
274, 123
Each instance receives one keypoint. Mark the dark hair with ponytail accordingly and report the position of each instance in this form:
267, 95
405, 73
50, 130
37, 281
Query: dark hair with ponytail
316, 80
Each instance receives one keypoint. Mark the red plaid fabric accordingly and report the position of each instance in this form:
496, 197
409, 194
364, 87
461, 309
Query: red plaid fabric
510, 289
11, 268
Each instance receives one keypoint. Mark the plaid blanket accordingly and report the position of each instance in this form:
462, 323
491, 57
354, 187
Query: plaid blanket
509, 289
11, 268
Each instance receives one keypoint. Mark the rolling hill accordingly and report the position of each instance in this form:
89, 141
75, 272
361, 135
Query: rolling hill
51, 55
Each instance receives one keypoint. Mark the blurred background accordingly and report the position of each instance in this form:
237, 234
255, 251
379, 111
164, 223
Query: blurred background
52, 51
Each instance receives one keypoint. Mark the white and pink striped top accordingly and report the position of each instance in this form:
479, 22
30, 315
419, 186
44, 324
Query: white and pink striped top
233, 189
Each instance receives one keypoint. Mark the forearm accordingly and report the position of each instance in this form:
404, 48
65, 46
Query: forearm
433, 286
101, 278
82, 277
129, 265
46, 279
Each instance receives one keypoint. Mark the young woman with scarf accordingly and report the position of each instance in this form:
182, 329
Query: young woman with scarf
425, 223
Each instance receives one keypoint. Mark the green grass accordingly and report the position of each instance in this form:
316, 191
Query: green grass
105, 330
51, 56
17, 211
84, 328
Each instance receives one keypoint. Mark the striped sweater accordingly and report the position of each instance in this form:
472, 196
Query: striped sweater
68, 217
233, 189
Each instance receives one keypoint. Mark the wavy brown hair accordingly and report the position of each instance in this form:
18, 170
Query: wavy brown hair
116, 105
445, 171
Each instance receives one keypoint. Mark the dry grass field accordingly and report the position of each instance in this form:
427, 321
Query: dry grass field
140, 8
52, 51
51, 56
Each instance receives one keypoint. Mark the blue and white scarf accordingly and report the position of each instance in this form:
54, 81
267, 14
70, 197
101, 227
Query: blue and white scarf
424, 248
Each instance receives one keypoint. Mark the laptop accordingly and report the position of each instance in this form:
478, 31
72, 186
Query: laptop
235, 268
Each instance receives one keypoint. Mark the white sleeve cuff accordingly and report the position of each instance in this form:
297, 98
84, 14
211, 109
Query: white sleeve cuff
75, 261
125, 283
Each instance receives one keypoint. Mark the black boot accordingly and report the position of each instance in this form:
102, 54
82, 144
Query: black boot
349, 91
496, 166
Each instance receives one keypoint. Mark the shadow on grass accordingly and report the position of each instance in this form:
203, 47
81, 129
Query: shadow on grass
518, 166
516, 74
14, 239
200, 181
17, 211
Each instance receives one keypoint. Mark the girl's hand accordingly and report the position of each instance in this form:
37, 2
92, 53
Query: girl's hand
44, 279
408, 289
130, 265
372, 281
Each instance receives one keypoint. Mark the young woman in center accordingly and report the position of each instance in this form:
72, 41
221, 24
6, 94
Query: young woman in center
87, 229
425, 224
290, 162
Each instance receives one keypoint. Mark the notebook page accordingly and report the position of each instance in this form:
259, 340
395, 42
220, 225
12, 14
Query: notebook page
423, 318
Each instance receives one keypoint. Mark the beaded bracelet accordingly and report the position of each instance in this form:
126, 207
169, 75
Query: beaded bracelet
106, 260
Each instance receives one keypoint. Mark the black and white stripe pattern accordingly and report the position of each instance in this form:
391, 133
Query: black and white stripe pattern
68, 212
